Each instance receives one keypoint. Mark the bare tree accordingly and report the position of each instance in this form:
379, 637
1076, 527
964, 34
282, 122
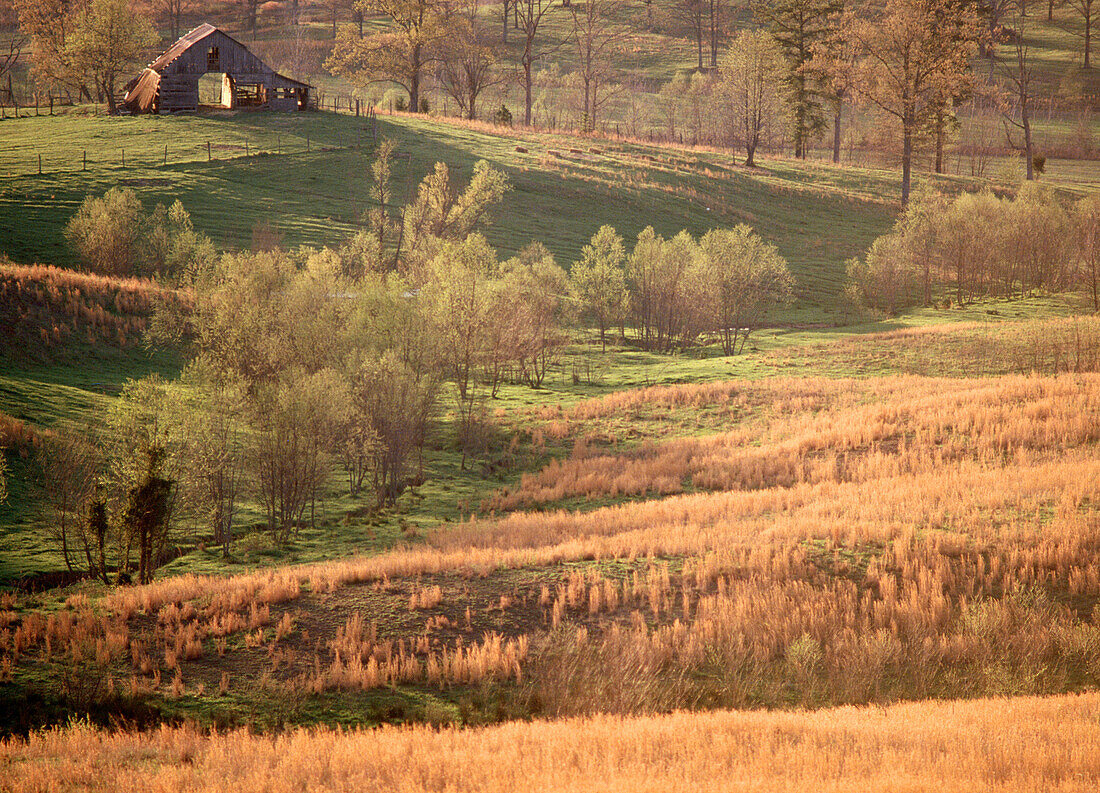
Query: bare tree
596, 37
172, 12
1087, 10
530, 15
690, 17
467, 59
1017, 71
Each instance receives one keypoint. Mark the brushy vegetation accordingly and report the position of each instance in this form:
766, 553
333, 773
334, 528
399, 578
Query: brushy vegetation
47, 310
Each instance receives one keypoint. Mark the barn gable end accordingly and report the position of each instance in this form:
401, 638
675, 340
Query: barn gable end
170, 84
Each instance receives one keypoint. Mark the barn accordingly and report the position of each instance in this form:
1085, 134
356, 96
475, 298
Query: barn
230, 76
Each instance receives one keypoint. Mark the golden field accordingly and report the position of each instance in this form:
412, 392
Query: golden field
1018, 745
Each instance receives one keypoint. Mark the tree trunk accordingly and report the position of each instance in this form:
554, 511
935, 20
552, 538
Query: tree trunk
1025, 119
504, 27
906, 159
414, 83
1088, 33
940, 123
750, 153
527, 90
836, 133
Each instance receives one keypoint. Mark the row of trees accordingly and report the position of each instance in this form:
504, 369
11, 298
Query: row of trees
979, 244
911, 60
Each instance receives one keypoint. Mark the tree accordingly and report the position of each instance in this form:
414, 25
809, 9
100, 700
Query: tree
173, 10
1017, 71
884, 280
459, 300
211, 430
1086, 222
530, 14
746, 277
390, 411
143, 471
400, 55
598, 280
441, 212
748, 83
300, 422
467, 60
534, 289
596, 37
799, 27
835, 58
50, 25
910, 54
111, 234
1087, 10
69, 466
108, 40
691, 17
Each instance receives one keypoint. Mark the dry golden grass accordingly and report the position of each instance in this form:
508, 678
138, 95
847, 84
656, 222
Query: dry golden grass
1009, 746
823, 430
42, 307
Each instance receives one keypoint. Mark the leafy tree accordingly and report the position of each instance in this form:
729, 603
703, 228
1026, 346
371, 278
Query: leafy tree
111, 233
441, 212
109, 38
748, 83
534, 289
598, 280
142, 473
884, 280
746, 277
50, 25
399, 55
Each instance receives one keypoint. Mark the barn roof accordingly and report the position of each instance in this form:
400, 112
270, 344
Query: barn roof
189, 40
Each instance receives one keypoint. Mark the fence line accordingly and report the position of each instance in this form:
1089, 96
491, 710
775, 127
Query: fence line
72, 160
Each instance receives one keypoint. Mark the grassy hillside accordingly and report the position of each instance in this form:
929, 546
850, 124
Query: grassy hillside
563, 190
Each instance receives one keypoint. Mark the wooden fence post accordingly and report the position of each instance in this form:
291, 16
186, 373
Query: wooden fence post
165, 154
84, 167
307, 142
208, 155
40, 164
124, 158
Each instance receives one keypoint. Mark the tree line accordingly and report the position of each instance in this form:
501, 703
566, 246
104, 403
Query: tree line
314, 366
788, 75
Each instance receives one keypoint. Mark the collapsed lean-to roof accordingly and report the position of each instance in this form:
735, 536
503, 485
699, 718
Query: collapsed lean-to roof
143, 91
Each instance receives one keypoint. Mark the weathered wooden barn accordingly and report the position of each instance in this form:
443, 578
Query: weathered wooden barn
170, 84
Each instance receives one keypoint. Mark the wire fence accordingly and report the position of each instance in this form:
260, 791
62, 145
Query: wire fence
33, 157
